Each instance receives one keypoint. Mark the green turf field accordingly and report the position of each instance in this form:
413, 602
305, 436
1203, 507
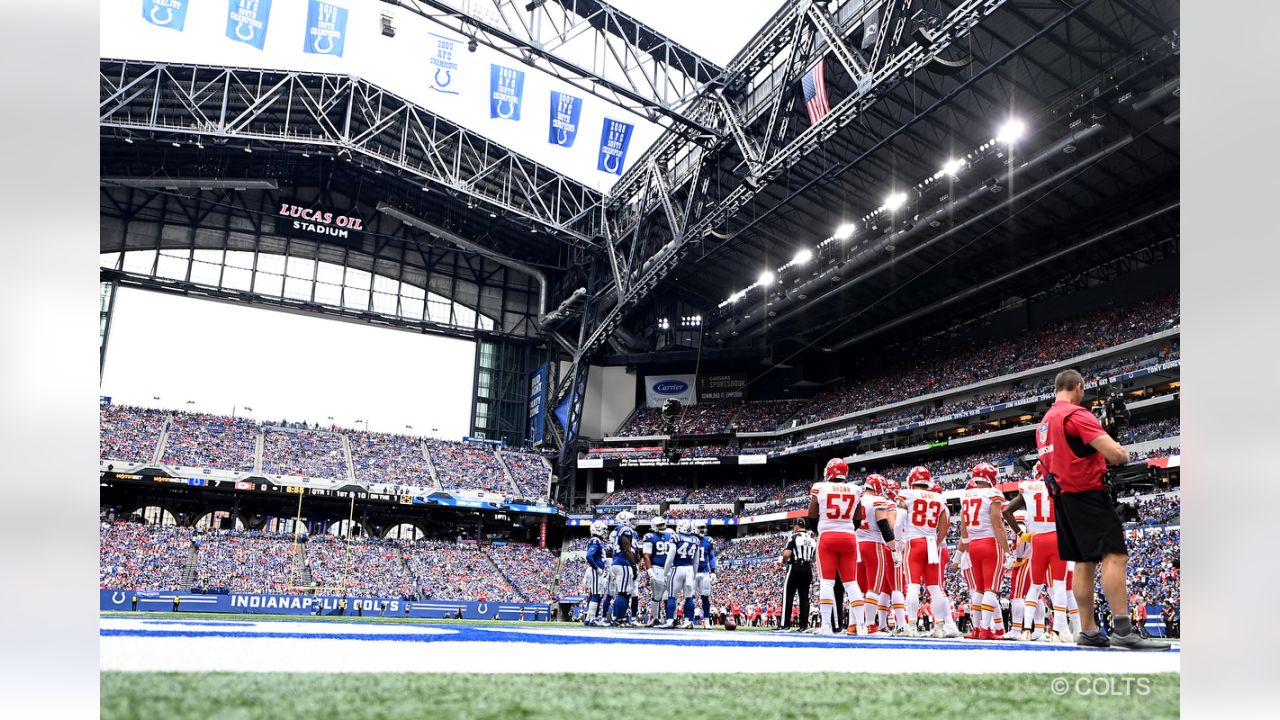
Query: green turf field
346, 696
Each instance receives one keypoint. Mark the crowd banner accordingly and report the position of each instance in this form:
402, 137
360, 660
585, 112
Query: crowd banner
659, 388
326, 28
566, 112
247, 21
614, 138
506, 88
165, 13
349, 606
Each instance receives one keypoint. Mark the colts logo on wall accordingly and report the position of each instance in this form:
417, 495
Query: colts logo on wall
247, 21
506, 87
165, 13
326, 28
566, 110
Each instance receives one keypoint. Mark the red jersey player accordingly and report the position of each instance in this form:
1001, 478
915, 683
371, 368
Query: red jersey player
924, 521
835, 504
1045, 566
982, 534
875, 561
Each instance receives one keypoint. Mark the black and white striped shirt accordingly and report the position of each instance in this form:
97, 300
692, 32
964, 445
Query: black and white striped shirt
803, 547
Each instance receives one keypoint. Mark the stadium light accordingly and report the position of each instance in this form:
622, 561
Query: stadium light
895, 201
1011, 131
845, 231
766, 279
953, 167
803, 256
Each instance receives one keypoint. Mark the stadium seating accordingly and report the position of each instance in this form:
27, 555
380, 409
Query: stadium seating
530, 473
530, 570
644, 493
309, 453
246, 561
367, 567
383, 458
128, 434
455, 571
133, 556
467, 465
211, 441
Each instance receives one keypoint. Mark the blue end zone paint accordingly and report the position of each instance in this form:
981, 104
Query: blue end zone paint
517, 635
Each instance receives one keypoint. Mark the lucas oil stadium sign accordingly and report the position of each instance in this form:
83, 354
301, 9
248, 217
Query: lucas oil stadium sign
318, 224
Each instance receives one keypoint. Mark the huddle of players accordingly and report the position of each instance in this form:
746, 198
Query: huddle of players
679, 564
879, 538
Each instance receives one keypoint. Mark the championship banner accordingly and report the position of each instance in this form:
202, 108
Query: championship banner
247, 21
506, 86
165, 13
614, 138
713, 387
566, 110
658, 388
326, 28
537, 404
443, 63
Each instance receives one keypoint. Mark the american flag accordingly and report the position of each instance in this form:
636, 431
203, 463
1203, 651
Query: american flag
815, 94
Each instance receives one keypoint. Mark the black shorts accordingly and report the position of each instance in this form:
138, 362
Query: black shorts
1088, 526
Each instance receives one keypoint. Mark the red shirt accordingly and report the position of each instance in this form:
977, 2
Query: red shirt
1074, 474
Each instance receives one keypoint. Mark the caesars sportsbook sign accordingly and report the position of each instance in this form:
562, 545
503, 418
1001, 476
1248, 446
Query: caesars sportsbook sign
658, 388
319, 224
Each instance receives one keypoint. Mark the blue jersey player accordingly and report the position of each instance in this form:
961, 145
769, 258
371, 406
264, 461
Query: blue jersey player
597, 578
657, 545
681, 563
706, 575
622, 573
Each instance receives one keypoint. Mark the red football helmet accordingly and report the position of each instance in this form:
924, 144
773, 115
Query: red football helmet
984, 471
837, 469
936, 487
892, 488
919, 475
971, 485
876, 485
1040, 472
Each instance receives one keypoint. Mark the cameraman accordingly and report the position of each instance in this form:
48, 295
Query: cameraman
1075, 450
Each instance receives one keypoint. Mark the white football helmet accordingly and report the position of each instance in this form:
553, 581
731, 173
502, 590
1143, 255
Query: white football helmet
700, 527
682, 527
599, 528
658, 524
626, 517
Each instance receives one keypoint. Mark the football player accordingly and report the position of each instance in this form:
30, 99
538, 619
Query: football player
835, 504
656, 545
681, 563
622, 573
1045, 567
982, 535
1020, 580
705, 576
924, 532
875, 559
597, 577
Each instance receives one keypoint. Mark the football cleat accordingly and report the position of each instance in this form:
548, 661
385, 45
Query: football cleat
938, 632
951, 631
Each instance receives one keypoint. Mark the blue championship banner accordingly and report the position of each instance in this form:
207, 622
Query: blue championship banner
614, 138
537, 404
326, 28
444, 64
506, 87
163, 601
566, 110
165, 13
247, 21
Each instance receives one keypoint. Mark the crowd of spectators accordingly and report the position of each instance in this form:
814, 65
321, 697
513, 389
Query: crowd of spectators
1155, 430
644, 493
1153, 453
726, 493
455, 571
389, 458
134, 556
127, 433
530, 570
246, 561
1159, 509
469, 465
211, 441
1154, 565
716, 417
365, 566
308, 453
530, 473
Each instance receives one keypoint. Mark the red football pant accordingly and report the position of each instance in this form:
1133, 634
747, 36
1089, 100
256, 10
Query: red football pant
838, 552
873, 573
916, 560
1046, 565
988, 564
1020, 584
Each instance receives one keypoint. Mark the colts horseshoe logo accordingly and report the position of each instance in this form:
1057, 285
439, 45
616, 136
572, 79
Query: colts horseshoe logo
155, 16
562, 137
246, 28
328, 44
511, 108
611, 164
482, 608
117, 598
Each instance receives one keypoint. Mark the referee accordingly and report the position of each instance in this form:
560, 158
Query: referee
798, 558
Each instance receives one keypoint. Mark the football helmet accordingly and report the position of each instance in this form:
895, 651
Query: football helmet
876, 485
936, 487
682, 527
658, 524
971, 485
919, 475
626, 517
599, 528
984, 471
700, 527
837, 469
892, 488
1040, 472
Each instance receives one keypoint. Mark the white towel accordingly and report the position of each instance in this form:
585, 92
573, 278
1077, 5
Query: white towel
933, 557
965, 563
